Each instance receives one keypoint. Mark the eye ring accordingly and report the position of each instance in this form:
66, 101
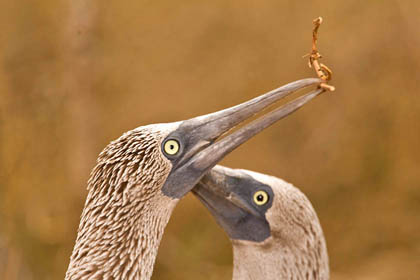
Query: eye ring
171, 147
261, 197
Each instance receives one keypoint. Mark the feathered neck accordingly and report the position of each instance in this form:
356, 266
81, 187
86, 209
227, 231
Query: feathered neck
125, 212
275, 262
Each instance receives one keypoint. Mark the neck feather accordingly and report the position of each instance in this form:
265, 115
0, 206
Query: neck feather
269, 262
121, 244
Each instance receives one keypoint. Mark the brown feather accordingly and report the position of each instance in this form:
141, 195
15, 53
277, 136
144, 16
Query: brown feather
125, 212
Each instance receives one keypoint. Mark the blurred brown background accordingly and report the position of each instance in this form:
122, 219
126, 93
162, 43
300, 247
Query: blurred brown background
76, 75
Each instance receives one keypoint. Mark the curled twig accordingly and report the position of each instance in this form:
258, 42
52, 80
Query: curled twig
322, 71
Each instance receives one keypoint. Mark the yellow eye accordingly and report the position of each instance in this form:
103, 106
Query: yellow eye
171, 147
260, 197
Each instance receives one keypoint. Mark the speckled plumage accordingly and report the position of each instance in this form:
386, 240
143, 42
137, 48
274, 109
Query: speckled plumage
125, 212
296, 248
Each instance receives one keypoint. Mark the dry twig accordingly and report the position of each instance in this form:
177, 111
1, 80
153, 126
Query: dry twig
321, 70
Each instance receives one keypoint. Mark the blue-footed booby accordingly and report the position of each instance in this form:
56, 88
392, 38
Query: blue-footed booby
140, 177
274, 229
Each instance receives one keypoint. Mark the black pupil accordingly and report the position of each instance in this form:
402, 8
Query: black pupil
260, 197
172, 146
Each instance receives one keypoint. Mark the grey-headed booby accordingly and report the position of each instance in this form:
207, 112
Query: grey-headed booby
140, 177
274, 229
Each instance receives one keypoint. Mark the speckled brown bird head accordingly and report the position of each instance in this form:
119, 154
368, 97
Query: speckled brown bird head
274, 229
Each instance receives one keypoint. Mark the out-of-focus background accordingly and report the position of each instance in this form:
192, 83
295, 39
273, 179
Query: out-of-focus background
75, 75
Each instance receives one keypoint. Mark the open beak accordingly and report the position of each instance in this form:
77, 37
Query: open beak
200, 151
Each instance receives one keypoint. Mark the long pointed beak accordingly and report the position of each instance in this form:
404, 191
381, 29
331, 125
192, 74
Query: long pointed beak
198, 136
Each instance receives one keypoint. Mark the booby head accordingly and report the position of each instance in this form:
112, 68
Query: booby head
192, 147
141, 176
274, 229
